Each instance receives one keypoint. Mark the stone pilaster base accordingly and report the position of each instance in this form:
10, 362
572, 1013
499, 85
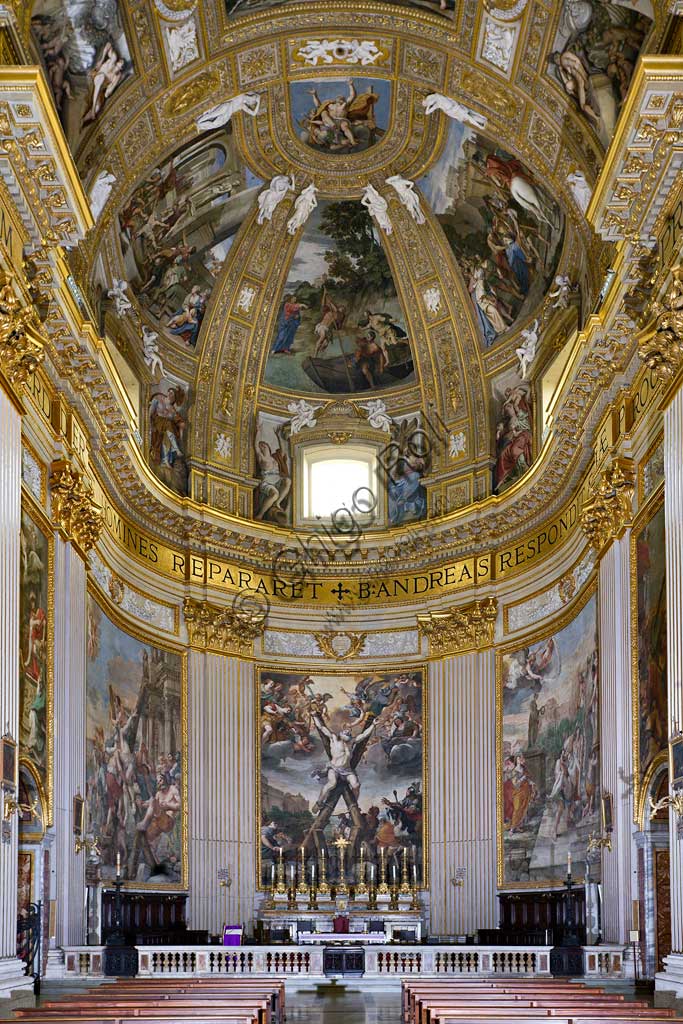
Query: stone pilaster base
669, 983
54, 969
14, 984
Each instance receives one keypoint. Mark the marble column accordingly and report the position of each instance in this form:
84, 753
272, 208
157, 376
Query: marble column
222, 791
11, 969
462, 788
670, 980
619, 867
69, 743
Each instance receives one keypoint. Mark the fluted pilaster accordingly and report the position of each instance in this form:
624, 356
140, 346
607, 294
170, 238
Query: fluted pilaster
672, 977
462, 763
222, 788
11, 975
616, 747
69, 733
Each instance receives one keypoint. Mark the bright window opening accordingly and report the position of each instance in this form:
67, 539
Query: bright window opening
334, 480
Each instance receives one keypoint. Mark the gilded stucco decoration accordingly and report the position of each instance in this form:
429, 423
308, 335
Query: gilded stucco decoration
227, 630
74, 509
150, 117
460, 629
662, 352
21, 348
605, 517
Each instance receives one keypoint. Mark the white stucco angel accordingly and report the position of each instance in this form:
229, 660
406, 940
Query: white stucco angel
304, 204
244, 102
581, 190
272, 196
450, 107
378, 417
150, 350
100, 192
117, 293
377, 207
303, 415
526, 353
560, 292
404, 189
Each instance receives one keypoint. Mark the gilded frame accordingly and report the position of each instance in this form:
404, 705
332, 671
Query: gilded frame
553, 625
675, 755
30, 507
366, 670
640, 785
30, 768
112, 613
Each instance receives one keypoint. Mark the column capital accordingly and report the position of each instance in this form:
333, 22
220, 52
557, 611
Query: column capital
605, 518
21, 347
460, 629
226, 630
76, 514
662, 349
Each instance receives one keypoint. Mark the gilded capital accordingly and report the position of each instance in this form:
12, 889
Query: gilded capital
225, 630
460, 629
21, 351
74, 509
663, 352
605, 517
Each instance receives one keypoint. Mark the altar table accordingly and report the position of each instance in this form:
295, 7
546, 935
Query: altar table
339, 938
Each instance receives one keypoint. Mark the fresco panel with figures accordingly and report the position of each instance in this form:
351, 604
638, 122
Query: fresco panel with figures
651, 633
340, 327
177, 228
503, 227
135, 756
594, 56
34, 612
235, 7
340, 115
84, 49
549, 752
371, 726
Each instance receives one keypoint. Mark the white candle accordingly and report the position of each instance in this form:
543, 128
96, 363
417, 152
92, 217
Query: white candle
272, 873
569, 863
372, 872
415, 873
313, 874
118, 864
393, 871
291, 873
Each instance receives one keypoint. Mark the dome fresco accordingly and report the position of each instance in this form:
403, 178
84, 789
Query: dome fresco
295, 221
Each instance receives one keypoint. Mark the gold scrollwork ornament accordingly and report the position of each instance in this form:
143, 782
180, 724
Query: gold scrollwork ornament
221, 629
21, 353
74, 508
605, 517
663, 351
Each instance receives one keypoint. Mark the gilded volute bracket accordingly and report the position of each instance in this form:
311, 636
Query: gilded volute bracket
224, 630
75, 512
607, 516
460, 630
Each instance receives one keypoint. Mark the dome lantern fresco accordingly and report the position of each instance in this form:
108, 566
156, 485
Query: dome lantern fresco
303, 204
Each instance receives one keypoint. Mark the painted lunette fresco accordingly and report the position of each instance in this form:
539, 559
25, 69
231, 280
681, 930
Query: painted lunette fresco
136, 756
548, 751
648, 594
35, 649
373, 723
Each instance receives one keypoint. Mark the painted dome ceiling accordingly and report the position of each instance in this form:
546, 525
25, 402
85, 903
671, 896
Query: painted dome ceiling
340, 254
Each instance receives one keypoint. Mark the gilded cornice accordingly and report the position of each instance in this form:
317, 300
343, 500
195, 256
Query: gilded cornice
460, 629
606, 516
21, 347
225, 630
74, 510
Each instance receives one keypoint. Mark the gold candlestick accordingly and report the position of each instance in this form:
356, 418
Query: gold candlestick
383, 888
302, 888
405, 887
415, 902
342, 888
361, 888
280, 888
323, 888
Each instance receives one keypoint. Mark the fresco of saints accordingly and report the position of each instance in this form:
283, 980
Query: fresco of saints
168, 425
514, 437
